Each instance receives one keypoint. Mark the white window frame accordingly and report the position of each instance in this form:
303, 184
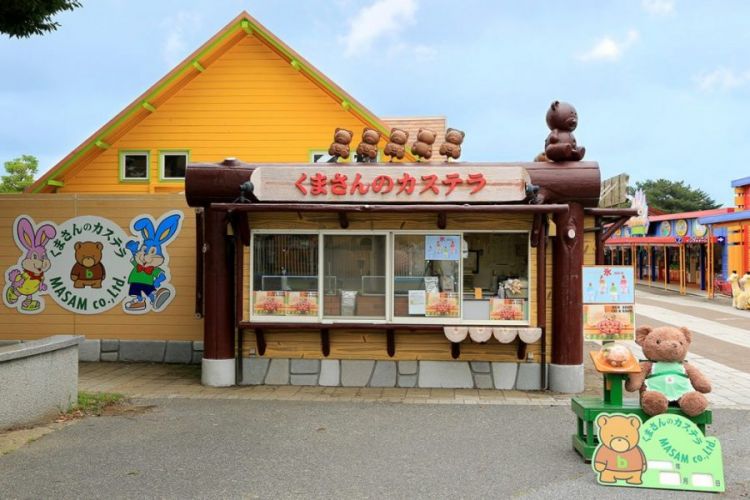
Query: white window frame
135, 152
162, 164
284, 319
389, 270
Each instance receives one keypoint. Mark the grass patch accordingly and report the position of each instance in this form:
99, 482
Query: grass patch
94, 403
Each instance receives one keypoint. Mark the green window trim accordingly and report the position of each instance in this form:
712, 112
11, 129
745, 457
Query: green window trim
165, 152
121, 167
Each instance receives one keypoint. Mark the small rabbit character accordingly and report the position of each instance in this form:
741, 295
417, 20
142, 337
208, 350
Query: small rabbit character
30, 278
146, 277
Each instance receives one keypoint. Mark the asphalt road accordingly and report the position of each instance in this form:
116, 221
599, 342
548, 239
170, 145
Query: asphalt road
298, 449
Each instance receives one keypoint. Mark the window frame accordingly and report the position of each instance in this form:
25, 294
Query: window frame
350, 160
390, 317
283, 319
162, 165
134, 152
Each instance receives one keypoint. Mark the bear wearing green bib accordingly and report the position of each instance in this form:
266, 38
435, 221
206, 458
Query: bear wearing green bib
665, 376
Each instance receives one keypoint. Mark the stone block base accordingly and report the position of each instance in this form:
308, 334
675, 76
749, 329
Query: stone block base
152, 351
370, 373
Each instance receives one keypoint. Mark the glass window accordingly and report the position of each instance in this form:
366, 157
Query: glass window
285, 275
173, 165
426, 275
134, 166
496, 280
354, 283
319, 156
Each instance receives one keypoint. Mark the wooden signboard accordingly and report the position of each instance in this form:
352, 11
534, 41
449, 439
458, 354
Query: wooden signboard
390, 184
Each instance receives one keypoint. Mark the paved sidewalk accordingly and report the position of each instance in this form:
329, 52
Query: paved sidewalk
149, 381
156, 381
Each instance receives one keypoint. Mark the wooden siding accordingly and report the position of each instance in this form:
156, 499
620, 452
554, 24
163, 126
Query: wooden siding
176, 322
249, 104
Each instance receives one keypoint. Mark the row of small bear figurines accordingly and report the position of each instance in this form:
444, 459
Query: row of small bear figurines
367, 150
504, 335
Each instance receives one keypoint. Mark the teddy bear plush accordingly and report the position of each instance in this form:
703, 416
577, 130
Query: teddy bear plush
340, 146
451, 148
395, 147
665, 376
422, 147
367, 151
560, 145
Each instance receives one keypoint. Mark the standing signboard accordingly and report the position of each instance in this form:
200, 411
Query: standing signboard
608, 303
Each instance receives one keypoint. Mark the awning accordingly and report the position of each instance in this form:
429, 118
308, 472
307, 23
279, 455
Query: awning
731, 219
661, 240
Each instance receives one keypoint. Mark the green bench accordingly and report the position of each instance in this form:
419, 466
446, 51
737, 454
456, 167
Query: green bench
587, 409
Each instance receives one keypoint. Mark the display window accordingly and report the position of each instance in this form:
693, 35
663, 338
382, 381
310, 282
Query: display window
354, 285
285, 274
459, 277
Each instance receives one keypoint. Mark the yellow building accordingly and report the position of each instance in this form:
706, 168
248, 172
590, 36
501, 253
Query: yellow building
244, 94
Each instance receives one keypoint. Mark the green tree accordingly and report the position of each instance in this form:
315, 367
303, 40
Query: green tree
19, 174
674, 196
23, 18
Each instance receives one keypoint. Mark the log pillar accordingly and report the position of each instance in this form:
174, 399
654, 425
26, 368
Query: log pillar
566, 369
218, 368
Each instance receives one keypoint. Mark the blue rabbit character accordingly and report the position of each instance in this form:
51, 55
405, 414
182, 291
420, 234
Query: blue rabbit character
148, 273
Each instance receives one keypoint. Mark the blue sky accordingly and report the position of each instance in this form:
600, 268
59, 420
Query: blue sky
662, 87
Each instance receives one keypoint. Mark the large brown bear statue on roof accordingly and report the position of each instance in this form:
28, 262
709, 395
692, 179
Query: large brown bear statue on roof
562, 119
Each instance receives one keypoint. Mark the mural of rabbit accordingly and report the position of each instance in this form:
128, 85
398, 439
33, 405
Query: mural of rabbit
149, 271
29, 279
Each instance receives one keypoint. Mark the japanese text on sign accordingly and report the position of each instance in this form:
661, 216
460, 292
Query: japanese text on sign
391, 184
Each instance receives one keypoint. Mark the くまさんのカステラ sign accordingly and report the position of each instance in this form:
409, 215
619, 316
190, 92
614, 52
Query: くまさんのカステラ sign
88, 264
667, 451
390, 184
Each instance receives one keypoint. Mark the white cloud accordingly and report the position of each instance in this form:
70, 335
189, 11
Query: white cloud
609, 49
381, 18
658, 7
422, 52
178, 27
722, 79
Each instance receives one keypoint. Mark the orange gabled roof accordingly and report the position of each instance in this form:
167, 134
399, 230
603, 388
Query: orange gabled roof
194, 64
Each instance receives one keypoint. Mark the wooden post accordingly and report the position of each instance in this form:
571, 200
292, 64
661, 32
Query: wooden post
710, 277
567, 315
599, 241
666, 266
541, 293
218, 324
650, 268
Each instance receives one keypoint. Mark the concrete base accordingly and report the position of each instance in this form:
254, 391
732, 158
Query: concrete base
566, 378
38, 379
218, 372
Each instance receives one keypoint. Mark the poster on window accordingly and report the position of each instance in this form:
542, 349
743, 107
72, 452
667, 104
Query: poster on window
442, 247
269, 303
442, 304
608, 322
417, 300
507, 309
301, 303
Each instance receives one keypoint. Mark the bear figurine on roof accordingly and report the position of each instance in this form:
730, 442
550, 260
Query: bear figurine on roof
560, 144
